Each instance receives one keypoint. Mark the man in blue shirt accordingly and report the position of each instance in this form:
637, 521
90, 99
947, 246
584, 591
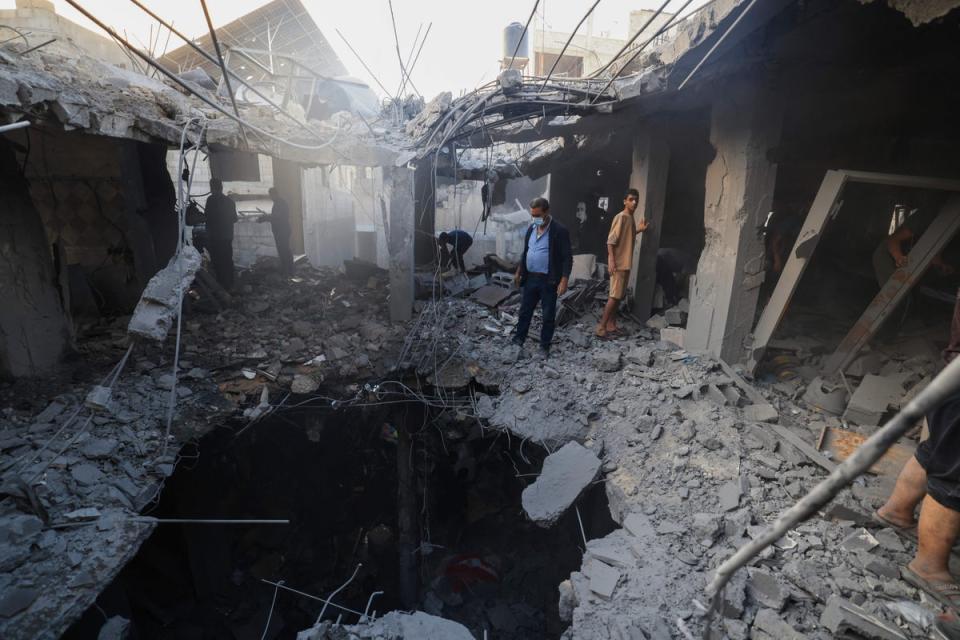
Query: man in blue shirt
460, 241
543, 274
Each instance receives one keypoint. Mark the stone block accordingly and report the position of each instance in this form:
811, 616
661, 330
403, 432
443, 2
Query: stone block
565, 474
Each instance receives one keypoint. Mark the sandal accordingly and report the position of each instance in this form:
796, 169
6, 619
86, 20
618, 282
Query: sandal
907, 532
947, 593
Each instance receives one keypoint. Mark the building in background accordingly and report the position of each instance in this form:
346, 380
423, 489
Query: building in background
588, 51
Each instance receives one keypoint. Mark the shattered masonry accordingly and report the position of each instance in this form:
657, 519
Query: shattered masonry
366, 411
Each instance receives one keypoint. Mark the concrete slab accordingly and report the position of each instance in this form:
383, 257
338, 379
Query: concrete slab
603, 578
490, 295
874, 397
566, 473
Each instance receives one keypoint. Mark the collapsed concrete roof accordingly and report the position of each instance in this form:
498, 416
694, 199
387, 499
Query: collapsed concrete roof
93, 97
280, 26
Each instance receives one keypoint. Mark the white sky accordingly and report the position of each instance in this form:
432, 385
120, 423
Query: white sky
461, 52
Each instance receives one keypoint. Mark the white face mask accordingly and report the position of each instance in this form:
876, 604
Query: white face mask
539, 221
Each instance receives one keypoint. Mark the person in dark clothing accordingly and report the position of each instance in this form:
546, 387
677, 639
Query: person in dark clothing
279, 219
932, 477
543, 274
460, 241
221, 214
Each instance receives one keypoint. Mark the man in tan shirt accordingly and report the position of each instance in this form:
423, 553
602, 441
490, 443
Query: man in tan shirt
623, 231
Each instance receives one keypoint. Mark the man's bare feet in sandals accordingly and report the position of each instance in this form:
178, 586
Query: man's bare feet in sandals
939, 586
902, 526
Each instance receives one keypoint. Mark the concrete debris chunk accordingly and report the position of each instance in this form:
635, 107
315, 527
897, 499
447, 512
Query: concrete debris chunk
607, 360
766, 590
88, 513
638, 525
116, 628
768, 621
874, 397
155, 313
15, 600
18, 527
395, 624
829, 399
613, 550
843, 617
673, 335
761, 413
859, 540
657, 322
603, 578
303, 384
86, 474
566, 473
729, 496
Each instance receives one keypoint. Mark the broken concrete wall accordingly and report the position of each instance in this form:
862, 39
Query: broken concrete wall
90, 193
337, 203
745, 124
34, 328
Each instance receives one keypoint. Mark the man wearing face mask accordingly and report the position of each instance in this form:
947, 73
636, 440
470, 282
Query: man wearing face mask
543, 274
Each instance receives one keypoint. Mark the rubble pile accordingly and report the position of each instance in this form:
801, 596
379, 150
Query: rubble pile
693, 469
77, 472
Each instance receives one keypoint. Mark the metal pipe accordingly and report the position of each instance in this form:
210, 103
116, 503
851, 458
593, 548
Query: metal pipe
640, 49
717, 43
567, 44
223, 68
23, 124
524, 33
631, 40
945, 385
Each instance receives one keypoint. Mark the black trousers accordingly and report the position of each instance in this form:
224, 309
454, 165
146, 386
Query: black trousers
285, 253
940, 454
221, 258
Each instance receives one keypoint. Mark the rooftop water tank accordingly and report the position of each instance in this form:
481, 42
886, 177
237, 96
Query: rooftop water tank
514, 33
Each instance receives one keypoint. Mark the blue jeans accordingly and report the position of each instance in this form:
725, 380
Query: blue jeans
536, 289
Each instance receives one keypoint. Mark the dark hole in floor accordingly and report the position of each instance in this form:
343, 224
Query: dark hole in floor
481, 562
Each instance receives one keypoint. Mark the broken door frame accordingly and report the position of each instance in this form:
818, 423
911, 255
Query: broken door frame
940, 232
825, 205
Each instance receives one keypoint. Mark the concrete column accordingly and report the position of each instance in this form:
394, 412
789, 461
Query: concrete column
651, 158
398, 183
745, 123
34, 330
